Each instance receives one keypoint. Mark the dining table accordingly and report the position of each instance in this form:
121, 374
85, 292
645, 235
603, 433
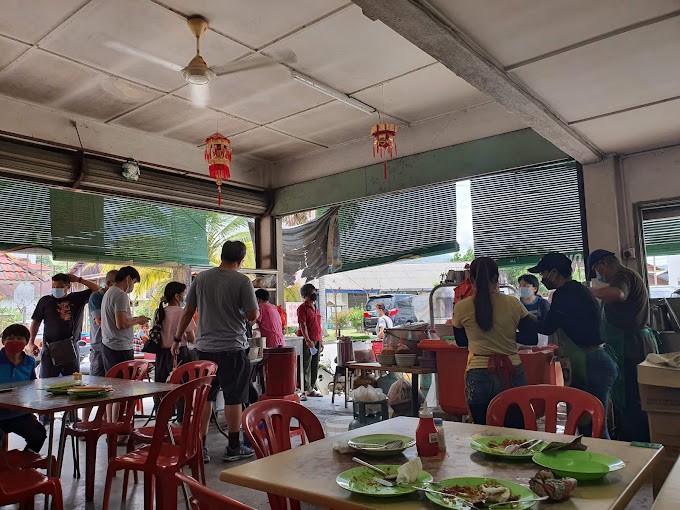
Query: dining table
308, 473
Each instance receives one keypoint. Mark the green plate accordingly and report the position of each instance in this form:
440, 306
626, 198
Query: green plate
486, 445
577, 464
515, 489
380, 439
360, 480
62, 388
89, 394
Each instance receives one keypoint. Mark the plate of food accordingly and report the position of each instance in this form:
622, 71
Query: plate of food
482, 493
499, 446
381, 445
89, 391
362, 480
62, 387
581, 465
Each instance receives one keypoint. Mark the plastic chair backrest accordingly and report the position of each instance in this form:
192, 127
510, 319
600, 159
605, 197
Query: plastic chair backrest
267, 424
578, 401
192, 395
135, 370
203, 498
192, 370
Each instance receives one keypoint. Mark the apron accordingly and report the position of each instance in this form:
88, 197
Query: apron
573, 361
501, 366
621, 345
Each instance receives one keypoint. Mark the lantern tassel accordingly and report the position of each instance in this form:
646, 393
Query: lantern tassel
219, 196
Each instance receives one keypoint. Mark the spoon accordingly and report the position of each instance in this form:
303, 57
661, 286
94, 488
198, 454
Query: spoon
376, 469
391, 445
460, 501
525, 447
519, 502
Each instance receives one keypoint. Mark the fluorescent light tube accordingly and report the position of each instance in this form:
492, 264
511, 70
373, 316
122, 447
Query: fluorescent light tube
335, 94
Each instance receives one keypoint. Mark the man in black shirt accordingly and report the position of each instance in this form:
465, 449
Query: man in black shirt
574, 315
62, 312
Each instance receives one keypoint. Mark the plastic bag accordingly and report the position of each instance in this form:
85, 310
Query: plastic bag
368, 394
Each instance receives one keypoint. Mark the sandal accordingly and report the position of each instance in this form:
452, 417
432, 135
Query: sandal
314, 393
303, 397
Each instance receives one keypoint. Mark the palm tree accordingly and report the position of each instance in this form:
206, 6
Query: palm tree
224, 227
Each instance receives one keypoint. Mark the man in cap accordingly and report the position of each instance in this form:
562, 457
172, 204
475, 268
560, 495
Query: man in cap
575, 316
626, 310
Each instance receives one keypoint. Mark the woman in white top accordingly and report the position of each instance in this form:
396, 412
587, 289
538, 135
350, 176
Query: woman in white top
168, 315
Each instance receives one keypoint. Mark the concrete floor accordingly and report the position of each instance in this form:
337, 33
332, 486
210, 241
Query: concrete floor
74, 490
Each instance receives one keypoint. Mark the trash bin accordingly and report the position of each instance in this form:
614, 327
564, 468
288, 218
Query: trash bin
278, 369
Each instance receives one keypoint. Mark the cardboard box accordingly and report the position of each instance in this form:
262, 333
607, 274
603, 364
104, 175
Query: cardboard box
662, 470
659, 388
664, 428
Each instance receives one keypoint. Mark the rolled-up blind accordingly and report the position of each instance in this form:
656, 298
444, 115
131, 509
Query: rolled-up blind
661, 230
517, 217
24, 216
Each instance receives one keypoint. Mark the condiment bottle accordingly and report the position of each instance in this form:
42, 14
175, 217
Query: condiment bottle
439, 424
427, 440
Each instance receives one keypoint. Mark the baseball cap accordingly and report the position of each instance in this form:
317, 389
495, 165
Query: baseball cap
553, 260
595, 257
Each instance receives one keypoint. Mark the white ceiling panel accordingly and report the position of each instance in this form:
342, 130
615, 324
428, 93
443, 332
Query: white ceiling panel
139, 40
52, 81
423, 94
267, 144
513, 31
261, 95
176, 115
329, 124
635, 130
9, 50
621, 72
30, 20
349, 52
256, 23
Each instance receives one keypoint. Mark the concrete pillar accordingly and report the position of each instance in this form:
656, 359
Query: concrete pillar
269, 249
602, 205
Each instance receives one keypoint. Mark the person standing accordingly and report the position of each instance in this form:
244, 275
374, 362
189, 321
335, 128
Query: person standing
309, 319
117, 319
626, 333
225, 299
384, 321
62, 313
487, 323
95, 307
575, 317
269, 320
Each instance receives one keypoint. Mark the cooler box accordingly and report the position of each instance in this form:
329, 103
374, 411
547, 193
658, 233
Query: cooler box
660, 397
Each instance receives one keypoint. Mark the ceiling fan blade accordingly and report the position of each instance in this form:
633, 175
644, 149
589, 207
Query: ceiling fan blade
200, 95
133, 52
254, 62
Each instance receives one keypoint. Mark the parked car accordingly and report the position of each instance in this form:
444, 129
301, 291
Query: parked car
398, 306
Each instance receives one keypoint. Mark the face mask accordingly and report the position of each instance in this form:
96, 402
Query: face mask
313, 297
14, 347
130, 288
548, 283
526, 292
58, 293
183, 303
600, 277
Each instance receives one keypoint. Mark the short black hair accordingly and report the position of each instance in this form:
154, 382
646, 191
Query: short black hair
262, 294
233, 251
530, 279
307, 290
126, 271
16, 330
61, 277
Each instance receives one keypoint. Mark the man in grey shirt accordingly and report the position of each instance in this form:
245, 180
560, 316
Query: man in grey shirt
117, 319
95, 306
225, 300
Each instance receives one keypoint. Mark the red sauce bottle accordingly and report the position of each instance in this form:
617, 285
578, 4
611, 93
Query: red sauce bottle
427, 441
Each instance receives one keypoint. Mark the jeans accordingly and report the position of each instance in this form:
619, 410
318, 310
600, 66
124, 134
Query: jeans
632, 424
602, 373
311, 367
481, 386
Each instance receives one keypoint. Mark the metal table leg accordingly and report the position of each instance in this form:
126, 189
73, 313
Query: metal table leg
50, 440
62, 444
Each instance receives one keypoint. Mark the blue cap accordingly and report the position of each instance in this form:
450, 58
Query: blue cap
595, 257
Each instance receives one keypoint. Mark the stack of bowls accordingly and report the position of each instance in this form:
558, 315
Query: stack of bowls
405, 360
386, 360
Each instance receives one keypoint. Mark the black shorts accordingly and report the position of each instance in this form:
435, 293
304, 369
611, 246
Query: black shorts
233, 375
112, 357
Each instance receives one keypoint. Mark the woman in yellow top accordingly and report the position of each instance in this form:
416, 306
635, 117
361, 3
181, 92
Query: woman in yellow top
490, 324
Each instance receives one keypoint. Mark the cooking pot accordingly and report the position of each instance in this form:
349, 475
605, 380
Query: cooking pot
408, 334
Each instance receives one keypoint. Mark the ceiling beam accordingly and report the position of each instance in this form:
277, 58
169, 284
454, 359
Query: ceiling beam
428, 31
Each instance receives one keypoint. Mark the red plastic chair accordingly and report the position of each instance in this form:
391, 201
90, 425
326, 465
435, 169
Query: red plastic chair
268, 423
579, 402
183, 373
203, 498
22, 485
26, 459
135, 370
162, 459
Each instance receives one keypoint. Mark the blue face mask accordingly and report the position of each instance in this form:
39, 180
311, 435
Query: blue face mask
526, 292
58, 293
183, 303
600, 277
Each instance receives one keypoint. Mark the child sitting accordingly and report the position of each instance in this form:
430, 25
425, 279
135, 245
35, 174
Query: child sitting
17, 366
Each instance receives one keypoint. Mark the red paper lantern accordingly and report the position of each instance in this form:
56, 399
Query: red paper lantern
218, 156
384, 143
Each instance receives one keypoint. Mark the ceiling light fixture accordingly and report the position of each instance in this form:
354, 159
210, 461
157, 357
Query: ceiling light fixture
335, 94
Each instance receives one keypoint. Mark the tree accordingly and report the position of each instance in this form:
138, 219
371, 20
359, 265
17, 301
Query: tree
225, 227
466, 256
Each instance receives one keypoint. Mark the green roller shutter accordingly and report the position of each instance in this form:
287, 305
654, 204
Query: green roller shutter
24, 216
77, 221
661, 230
517, 217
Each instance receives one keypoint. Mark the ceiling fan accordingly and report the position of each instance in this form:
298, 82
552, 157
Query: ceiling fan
197, 73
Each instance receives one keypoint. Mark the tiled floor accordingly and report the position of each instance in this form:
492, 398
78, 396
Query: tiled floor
74, 490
